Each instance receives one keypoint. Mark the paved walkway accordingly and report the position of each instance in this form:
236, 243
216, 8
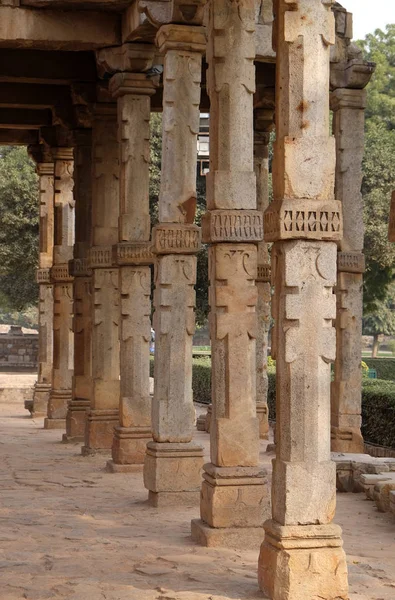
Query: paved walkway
69, 530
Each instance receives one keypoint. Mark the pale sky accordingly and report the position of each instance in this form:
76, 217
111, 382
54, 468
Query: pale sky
370, 15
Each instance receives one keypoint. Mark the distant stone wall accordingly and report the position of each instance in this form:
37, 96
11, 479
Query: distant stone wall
18, 350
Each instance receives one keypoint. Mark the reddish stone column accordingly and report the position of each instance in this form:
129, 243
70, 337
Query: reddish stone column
63, 362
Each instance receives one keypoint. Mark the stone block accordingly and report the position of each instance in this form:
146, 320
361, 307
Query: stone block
240, 538
54, 423
99, 430
172, 467
130, 444
303, 563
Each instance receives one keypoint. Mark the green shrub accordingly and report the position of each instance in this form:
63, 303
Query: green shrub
385, 367
378, 412
271, 393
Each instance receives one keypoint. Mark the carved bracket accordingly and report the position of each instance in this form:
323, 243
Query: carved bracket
43, 276
351, 262
61, 273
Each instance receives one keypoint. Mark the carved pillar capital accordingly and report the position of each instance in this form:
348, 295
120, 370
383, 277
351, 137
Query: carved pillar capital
137, 84
183, 38
128, 57
348, 98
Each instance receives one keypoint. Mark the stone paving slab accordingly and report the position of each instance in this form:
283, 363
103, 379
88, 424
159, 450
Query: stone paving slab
70, 530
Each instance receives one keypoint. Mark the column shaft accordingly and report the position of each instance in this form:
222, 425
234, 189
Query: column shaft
234, 496
46, 193
103, 415
82, 320
63, 362
346, 389
173, 461
304, 221
134, 256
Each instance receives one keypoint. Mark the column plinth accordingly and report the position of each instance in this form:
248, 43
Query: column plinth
173, 462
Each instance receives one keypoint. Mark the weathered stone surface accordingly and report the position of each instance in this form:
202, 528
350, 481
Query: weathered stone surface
170, 238
232, 226
297, 562
104, 411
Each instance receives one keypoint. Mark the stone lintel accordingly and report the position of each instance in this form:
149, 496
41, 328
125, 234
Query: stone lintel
176, 238
351, 262
184, 38
348, 98
100, 257
354, 74
232, 226
128, 57
133, 253
391, 224
61, 273
79, 267
43, 276
303, 219
264, 273
45, 168
131, 83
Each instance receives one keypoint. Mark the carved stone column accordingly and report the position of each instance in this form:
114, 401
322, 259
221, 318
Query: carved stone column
82, 320
134, 256
348, 125
302, 555
63, 364
103, 415
42, 388
234, 496
173, 461
263, 124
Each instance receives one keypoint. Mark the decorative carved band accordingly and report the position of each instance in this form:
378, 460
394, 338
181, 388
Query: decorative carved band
47, 168
264, 273
303, 219
43, 276
391, 226
232, 226
133, 253
174, 238
79, 267
61, 273
100, 257
351, 262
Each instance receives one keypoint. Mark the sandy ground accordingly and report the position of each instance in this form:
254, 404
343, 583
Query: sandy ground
69, 530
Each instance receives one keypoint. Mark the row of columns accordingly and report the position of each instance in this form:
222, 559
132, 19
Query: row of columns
111, 267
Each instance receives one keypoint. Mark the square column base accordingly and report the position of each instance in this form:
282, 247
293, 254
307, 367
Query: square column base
262, 415
58, 403
130, 444
347, 440
303, 562
40, 399
54, 423
99, 431
234, 497
76, 420
113, 467
172, 473
239, 538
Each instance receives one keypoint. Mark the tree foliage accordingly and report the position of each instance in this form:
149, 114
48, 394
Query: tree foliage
19, 220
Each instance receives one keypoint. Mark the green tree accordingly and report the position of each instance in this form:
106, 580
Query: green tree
381, 321
18, 228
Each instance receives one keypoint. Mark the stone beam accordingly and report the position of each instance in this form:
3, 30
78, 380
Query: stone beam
107, 5
29, 95
57, 30
18, 118
18, 137
46, 67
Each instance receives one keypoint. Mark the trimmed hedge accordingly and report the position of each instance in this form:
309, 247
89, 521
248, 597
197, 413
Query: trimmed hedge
385, 367
378, 412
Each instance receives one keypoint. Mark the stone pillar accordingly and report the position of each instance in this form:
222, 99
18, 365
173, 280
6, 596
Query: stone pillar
63, 364
134, 256
234, 496
173, 461
42, 388
348, 125
103, 415
302, 555
82, 320
263, 124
